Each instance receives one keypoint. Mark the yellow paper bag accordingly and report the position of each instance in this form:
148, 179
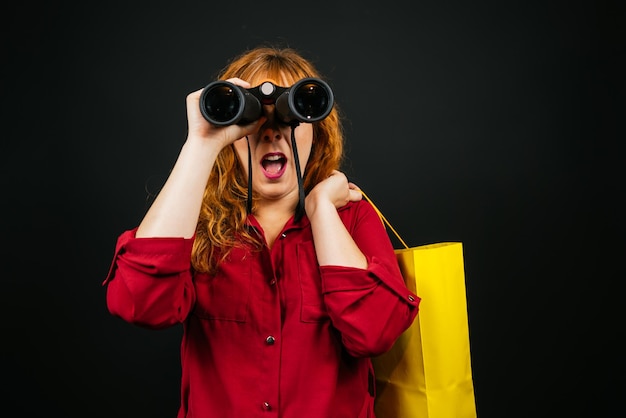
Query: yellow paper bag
428, 373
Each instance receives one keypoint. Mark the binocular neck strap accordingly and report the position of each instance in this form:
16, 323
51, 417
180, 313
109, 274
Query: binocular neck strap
300, 207
249, 203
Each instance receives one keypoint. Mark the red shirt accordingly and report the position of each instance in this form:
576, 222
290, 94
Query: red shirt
272, 334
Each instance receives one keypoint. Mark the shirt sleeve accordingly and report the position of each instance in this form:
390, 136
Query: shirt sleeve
149, 282
370, 307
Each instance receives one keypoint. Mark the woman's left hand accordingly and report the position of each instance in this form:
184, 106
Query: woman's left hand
336, 190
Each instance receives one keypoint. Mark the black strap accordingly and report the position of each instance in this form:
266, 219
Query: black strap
300, 207
249, 204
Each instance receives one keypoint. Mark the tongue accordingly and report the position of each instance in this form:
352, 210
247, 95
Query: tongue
272, 166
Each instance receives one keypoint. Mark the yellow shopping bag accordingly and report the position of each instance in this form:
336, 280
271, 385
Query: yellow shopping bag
428, 373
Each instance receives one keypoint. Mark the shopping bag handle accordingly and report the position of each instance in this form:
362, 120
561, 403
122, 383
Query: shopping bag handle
386, 222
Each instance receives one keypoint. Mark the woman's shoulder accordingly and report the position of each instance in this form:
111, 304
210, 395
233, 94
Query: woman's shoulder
357, 210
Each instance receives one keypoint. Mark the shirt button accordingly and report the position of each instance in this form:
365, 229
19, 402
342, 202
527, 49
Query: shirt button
270, 340
267, 406
273, 281
411, 298
283, 235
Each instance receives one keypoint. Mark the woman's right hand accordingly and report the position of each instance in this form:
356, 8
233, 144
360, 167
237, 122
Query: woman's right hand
200, 128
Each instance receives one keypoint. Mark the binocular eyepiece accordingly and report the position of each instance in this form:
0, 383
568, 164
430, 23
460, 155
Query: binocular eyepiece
224, 103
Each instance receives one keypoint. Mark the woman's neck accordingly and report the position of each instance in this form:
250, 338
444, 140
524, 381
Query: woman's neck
272, 216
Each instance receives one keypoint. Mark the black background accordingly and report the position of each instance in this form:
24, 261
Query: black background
496, 123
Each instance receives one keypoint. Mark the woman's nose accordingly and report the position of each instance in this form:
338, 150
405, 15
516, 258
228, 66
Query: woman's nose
270, 130
269, 111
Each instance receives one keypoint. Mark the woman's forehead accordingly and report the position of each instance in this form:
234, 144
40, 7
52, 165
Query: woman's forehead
280, 79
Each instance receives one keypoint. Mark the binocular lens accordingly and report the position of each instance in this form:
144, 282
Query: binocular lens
311, 100
221, 103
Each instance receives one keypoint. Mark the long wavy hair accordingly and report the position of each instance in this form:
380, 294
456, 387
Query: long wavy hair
222, 222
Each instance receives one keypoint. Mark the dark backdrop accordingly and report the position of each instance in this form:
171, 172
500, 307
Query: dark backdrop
495, 123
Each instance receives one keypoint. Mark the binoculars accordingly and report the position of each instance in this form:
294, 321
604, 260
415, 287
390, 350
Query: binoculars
308, 100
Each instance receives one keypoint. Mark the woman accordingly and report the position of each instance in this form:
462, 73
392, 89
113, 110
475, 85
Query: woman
281, 312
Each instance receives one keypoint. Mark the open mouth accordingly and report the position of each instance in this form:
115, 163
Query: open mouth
274, 164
